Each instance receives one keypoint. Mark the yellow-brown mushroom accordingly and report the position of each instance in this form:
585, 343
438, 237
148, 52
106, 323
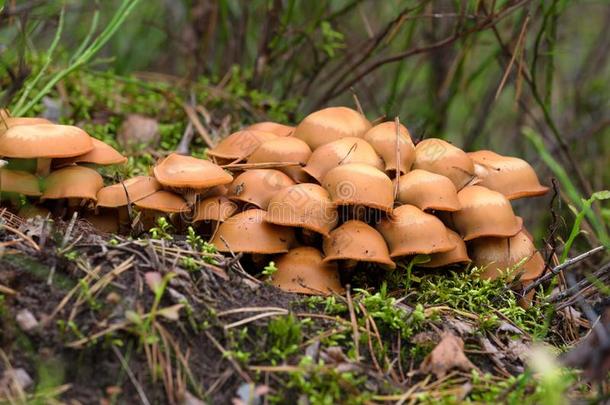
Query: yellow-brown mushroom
258, 186
428, 191
458, 254
382, 138
284, 150
239, 145
273, 127
102, 154
439, 156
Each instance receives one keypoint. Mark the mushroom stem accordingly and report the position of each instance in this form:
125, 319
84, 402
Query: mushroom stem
43, 166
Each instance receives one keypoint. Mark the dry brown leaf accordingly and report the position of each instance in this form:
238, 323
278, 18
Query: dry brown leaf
447, 355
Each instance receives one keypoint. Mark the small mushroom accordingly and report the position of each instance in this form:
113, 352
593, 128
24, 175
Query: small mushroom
458, 254
412, 231
484, 213
77, 185
330, 124
258, 186
248, 232
306, 206
382, 138
303, 271
240, 145
342, 151
428, 191
18, 182
216, 208
158, 204
361, 185
287, 150
439, 156
511, 176
357, 241
273, 127
101, 155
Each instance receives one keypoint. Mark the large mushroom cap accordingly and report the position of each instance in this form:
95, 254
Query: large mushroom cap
72, 182
287, 150
258, 186
247, 232
131, 190
7, 122
102, 154
511, 176
498, 255
342, 151
239, 145
427, 190
16, 181
302, 270
382, 138
458, 254
439, 156
273, 127
303, 205
331, 124
484, 213
411, 231
216, 208
44, 141
359, 184
163, 201
180, 171
355, 240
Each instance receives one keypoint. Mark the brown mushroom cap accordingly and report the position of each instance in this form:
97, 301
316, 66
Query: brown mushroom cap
7, 122
303, 205
498, 255
179, 171
216, 208
131, 190
239, 145
72, 182
287, 149
355, 240
273, 127
382, 138
359, 184
342, 151
163, 201
44, 141
102, 154
302, 270
16, 181
258, 186
331, 124
511, 176
412, 231
427, 190
439, 156
484, 212
247, 232
458, 254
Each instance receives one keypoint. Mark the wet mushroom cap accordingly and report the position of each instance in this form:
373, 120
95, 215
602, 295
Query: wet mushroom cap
439, 156
459, 254
217, 208
412, 231
427, 190
355, 240
19, 182
181, 171
9, 122
484, 212
273, 127
72, 182
131, 190
382, 138
44, 141
287, 149
303, 271
240, 145
305, 206
163, 201
359, 184
102, 154
258, 186
248, 232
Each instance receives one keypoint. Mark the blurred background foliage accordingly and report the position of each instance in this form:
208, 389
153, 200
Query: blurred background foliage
475, 72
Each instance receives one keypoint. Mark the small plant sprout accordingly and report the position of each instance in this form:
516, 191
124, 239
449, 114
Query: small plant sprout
269, 270
163, 229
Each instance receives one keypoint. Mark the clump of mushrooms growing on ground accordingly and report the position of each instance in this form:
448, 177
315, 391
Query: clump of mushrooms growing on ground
320, 199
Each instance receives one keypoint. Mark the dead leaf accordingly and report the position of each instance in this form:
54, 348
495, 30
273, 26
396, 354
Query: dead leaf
461, 327
447, 355
138, 130
509, 328
172, 312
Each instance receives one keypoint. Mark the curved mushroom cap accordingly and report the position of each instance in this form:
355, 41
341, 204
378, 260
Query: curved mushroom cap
33, 211
484, 213
458, 254
511, 176
181, 171
382, 138
239, 145
8, 122
16, 181
163, 201
287, 149
131, 190
102, 154
330, 124
411, 231
44, 141
498, 255
217, 208
427, 190
359, 184
106, 223
342, 151
273, 127
355, 240
258, 186
305, 206
439, 156
247, 232
72, 182
301, 270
